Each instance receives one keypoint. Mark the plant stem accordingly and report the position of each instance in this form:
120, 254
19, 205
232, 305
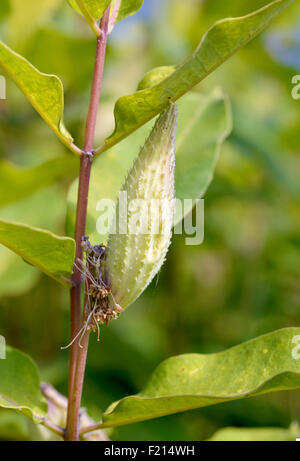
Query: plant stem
76, 373
53, 427
84, 178
72, 433
92, 428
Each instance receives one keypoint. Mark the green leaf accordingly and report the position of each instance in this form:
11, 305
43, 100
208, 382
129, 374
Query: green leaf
265, 364
219, 43
95, 8
45, 92
16, 276
74, 5
92, 10
155, 76
199, 140
51, 254
262, 434
20, 385
121, 9
22, 182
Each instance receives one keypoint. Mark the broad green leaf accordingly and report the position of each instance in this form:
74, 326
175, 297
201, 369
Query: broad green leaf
266, 364
45, 92
155, 76
262, 434
74, 5
20, 385
92, 10
204, 121
16, 276
95, 8
51, 254
219, 43
17, 183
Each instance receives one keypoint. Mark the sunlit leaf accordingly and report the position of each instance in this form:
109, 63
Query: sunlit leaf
220, 42
45, 92
20, 385
16, 276
95, 8
51, 254
265, 364
92, 10
204, 121
155, 76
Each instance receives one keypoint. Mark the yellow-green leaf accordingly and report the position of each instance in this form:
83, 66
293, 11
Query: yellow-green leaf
219, 43
92, 10
45, 92
266, 364
51, 254
20, 385
121, 9
95, 8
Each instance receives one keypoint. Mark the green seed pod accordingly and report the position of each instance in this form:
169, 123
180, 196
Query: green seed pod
137, 250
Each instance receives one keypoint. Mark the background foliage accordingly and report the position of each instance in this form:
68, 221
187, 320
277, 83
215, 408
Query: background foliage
243, 280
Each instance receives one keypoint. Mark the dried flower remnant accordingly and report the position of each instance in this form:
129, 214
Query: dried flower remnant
99, 307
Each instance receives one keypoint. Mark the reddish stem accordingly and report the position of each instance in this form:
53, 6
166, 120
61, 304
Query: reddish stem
77, 360
73, 429
84, 179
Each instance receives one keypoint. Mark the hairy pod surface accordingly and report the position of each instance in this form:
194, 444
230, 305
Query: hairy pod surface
138, 247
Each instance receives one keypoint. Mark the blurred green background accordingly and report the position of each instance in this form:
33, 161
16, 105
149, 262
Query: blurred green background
243, 280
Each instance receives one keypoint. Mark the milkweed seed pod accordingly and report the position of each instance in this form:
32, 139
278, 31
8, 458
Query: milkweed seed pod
138, 247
